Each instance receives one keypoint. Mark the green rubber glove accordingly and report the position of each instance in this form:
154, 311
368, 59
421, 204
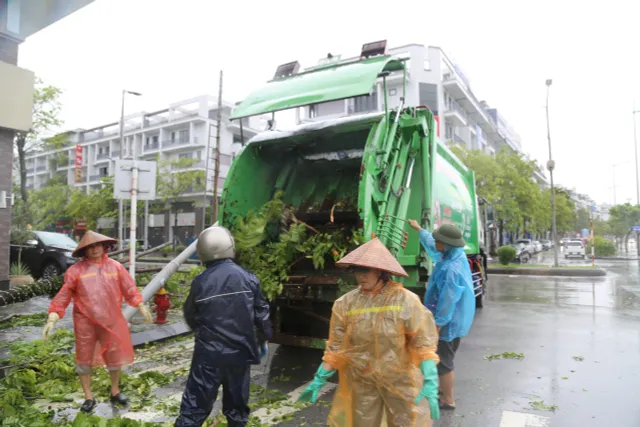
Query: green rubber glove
310, 394
430, 387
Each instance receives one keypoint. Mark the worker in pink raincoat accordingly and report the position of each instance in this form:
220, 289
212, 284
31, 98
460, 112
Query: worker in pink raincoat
97, 285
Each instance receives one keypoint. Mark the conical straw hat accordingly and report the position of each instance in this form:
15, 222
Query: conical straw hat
373, 254
90, 238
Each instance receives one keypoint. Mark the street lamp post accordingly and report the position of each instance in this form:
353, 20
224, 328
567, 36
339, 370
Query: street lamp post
120, 202
635, 142
551, 166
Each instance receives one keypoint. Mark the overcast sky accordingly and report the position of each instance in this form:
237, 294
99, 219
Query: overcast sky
171, 50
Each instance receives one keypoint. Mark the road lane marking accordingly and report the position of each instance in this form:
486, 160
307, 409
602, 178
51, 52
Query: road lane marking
521, 419
287, 407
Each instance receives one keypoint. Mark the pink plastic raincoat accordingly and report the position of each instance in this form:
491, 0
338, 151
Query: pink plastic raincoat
98, 290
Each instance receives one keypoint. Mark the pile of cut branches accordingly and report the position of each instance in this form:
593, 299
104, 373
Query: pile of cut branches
272, 240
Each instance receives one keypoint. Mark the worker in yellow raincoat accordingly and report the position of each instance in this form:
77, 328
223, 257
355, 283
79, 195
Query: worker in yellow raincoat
383, 343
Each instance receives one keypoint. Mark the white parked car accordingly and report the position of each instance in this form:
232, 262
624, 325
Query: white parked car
538, 246
574, 248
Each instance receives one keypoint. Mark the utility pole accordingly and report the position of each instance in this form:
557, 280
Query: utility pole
206, 177
551, 166
216, 172
593, 240
614, 185
635, 141
120, 201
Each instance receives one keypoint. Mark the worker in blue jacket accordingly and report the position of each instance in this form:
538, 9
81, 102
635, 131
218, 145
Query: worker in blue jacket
230, 317
449, 297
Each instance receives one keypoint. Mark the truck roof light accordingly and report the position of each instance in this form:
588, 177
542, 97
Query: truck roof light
373, 49
287, 70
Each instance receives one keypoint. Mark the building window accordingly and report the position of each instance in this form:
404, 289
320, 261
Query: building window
155, 139
173, 137
393, 92
199, 155
104, 171
185, 156
366, 103
448, 131
184, 135
427, 65
237, 139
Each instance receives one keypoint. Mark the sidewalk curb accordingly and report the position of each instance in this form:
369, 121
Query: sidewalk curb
613, 258
565, 272
158, 334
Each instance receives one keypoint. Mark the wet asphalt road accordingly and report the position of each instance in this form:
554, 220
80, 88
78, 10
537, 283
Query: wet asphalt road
581, 343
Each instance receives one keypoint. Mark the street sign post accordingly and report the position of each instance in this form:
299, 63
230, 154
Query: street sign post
135, 180
146, 179
636, 228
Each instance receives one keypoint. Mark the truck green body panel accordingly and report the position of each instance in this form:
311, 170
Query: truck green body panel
329, 84
454, 197
380, 169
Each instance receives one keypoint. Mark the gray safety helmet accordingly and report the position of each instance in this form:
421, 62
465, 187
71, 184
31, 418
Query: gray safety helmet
214, 243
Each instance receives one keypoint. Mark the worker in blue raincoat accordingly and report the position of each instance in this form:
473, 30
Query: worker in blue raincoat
230, 317
449, 297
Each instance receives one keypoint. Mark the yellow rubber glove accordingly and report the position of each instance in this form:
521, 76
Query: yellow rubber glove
144, 310
51, 322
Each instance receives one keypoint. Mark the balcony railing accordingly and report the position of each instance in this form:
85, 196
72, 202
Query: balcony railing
152, 146
195, 165
31, 170
41, 168
175, 143
455, 107
101, 156
458, 139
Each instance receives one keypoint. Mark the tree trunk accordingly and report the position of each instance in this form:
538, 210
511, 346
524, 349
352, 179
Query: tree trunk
20, 144
175, 229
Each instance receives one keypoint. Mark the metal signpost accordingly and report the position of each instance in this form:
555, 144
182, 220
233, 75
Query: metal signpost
135, 180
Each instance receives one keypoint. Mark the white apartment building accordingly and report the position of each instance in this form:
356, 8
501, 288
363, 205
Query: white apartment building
434, 80
182, 130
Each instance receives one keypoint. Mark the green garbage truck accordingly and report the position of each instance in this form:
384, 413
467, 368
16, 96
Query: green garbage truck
381, 168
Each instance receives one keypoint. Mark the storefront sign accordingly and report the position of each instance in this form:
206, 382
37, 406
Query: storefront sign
78, 163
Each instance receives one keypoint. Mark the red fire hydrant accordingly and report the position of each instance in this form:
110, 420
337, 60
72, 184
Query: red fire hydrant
163, 304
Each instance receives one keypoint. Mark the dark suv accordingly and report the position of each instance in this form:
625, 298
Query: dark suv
46, 254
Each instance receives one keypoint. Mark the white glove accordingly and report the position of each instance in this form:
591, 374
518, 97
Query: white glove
51, 322
145, 313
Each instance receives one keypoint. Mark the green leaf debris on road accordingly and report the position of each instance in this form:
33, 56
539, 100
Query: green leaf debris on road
505, 355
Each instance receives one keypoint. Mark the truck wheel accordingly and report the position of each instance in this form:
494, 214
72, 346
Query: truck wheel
479, 302
51, 269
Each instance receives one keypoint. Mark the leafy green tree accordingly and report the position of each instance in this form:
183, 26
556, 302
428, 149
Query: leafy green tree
46, 107
49, 203
174, 179
94, 205
583, 219
565, 211
622, 219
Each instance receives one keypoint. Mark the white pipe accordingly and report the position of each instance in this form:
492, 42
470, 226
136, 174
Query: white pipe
161, 278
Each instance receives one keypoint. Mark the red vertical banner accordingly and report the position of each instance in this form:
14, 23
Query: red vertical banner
437, 125
78, 163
